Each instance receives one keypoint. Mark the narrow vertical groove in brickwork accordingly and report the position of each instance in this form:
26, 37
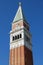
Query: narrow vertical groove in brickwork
18, 55
22, 55
14, 57
11, 57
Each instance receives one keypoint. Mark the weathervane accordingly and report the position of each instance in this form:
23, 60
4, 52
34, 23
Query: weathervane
19, 3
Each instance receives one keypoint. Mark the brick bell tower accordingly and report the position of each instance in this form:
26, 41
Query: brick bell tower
20, 41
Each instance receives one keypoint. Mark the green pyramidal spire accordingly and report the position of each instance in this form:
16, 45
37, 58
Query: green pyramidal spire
19, 15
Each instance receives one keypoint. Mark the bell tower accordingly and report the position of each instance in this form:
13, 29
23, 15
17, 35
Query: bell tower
20, 40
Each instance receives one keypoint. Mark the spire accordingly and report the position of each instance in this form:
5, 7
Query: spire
19, 15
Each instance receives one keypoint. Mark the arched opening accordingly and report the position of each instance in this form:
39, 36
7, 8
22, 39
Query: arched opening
13, 38
17, 36
20, 36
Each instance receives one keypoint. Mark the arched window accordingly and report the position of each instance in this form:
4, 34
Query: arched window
13, 38
17, 36
20, 36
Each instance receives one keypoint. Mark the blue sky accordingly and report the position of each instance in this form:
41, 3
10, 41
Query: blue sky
33, 11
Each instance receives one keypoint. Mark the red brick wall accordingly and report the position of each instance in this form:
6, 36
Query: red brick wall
21, 56
28, 56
